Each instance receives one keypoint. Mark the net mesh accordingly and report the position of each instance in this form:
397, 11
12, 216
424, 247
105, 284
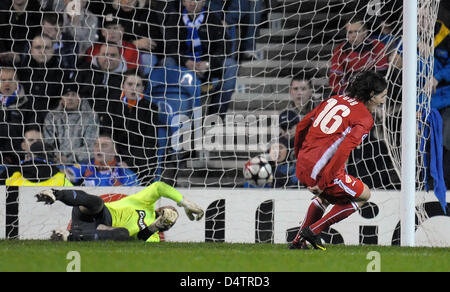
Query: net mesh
192, 129
427, 16
162, 100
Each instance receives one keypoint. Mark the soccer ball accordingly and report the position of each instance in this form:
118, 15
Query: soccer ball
258, 171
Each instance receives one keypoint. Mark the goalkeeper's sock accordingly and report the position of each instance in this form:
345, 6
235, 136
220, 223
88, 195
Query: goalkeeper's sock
116, 234
80, 198
336, 214
314, 213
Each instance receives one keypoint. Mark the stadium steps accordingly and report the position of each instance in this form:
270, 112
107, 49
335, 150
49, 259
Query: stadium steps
282, 68
294, 6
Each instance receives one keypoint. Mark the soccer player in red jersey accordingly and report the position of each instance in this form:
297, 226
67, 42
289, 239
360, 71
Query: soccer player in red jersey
323, 142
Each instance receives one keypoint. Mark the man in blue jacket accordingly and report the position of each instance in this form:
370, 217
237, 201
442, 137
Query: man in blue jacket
104, 169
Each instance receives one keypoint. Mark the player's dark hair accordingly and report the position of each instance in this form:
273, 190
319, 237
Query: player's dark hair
364, 83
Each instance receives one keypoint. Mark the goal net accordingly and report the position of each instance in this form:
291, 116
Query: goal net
127, 92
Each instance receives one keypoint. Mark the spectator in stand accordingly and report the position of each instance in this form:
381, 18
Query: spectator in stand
250, 33
66, 48
38, 169
440, 99
202, 48
82, 27
301, 103
134, 122
280, 153
232, 14
104, 169
282, 156
15, 112
288, 120
144, 27
241, 18
358, 53
113, 33
41, 75
439, 85
301, 95
54, 5
72, 127
388, 34
20, 20
80, 24
100, 80
31, 134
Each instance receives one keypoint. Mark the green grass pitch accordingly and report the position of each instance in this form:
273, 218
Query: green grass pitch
24, 255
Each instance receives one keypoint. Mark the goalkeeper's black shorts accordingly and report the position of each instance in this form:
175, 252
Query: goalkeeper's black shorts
85, 222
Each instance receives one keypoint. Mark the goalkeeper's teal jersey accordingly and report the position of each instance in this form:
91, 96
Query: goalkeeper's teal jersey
136, 212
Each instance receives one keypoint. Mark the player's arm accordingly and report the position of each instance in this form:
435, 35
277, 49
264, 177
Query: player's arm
302, 130
350, 142
157, 190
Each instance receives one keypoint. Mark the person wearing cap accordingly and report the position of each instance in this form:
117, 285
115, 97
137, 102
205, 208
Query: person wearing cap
72, 127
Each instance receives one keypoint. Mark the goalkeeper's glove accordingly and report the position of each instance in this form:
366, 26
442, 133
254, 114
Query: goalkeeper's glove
46, 196
191, 209
165, 221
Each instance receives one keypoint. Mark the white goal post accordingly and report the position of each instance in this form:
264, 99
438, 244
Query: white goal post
408, 176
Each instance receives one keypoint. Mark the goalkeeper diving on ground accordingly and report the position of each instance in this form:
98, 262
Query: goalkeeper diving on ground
132, 217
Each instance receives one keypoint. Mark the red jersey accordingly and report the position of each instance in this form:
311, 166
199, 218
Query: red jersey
326, 136
347, 61
129, 52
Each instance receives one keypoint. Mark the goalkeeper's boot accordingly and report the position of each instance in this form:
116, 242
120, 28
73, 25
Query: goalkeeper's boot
47, 196
59, 235
313, 239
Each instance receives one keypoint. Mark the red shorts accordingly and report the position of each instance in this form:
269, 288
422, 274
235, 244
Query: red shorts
342, 189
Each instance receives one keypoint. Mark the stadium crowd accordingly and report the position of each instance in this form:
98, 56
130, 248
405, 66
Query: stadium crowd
76, 78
